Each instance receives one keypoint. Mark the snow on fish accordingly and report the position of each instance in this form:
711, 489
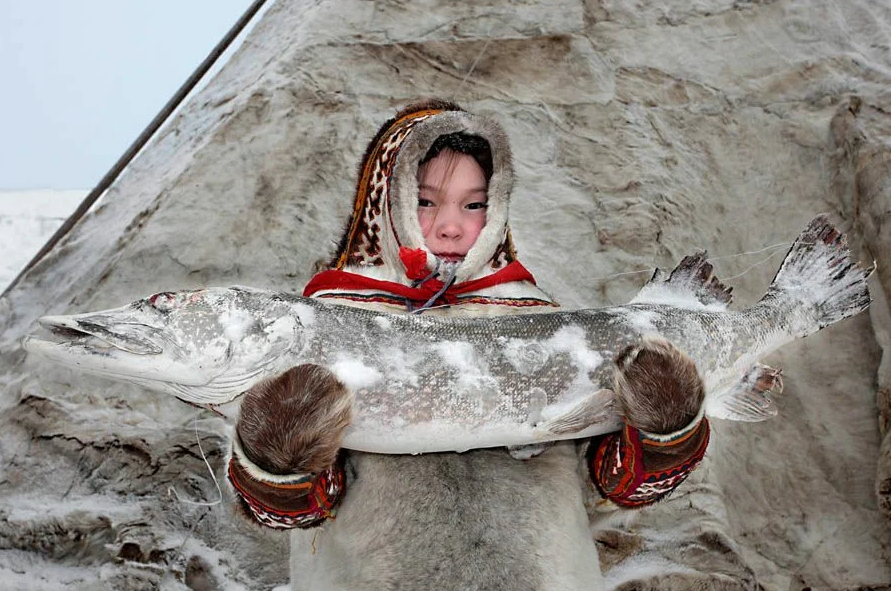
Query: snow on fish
427, 383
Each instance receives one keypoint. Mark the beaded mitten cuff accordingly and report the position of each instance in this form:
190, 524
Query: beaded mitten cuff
286, 501
633, 468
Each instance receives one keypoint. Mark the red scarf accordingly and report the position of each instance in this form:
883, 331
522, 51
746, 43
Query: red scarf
415, 265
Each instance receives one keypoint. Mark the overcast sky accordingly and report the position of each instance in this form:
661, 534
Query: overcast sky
79, 80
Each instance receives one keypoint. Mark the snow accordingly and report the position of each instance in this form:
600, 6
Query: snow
571, 339
643, 321
670, 295
383, 322
525, 356
306, 314
27, 220
355, 374
458, 354
236, 324
283, 329
475, 383
528, 356
26, 508
400, 365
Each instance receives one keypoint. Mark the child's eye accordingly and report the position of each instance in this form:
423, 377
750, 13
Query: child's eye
477, 205
424, 202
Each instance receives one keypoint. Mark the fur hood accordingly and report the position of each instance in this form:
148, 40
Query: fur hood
383, 240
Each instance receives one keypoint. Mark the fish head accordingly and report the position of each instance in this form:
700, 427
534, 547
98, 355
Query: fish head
205, 346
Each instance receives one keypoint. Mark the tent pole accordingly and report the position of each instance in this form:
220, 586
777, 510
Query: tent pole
162, 116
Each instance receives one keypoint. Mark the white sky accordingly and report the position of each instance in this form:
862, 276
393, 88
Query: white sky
79, 80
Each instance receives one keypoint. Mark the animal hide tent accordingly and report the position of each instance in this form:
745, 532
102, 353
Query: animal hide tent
641, 132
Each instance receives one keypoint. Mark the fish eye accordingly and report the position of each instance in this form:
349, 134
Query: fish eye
163, 301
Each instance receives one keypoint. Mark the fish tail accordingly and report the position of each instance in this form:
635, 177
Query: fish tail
820, 271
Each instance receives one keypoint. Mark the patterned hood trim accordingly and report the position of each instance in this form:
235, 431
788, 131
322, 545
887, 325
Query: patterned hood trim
385, 209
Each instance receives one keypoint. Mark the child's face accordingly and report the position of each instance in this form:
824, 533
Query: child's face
452, 203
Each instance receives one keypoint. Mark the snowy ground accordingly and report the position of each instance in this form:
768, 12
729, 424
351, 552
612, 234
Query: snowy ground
27, 220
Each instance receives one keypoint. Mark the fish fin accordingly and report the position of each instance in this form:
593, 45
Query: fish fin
819, 271
691, 280
748, 399
527, 452
591, 409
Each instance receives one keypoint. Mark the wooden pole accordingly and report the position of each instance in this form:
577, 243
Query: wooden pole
162, 116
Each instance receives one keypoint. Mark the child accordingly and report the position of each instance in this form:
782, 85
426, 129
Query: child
429, 235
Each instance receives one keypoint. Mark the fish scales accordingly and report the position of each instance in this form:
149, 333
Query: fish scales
508, 370
424, 383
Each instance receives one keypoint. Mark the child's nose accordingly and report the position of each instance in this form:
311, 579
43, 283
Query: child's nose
449, 229
449, 225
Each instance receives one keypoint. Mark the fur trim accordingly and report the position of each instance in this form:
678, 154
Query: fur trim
384, 214
294, 422
658, 387
676, 436
404, 188
260, 475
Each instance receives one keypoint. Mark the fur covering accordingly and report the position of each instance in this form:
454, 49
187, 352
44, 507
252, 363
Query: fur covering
477, 520
385, 215
658, 387
294, 422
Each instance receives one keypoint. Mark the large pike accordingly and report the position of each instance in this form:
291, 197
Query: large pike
428, 383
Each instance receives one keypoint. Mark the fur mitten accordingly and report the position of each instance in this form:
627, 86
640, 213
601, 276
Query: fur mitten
658, 387
294, 423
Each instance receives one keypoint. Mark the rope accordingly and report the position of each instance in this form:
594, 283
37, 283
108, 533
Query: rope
711, 259
172, 490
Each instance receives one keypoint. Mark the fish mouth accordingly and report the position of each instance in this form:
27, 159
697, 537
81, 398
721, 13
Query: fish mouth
120, 350
94, 337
